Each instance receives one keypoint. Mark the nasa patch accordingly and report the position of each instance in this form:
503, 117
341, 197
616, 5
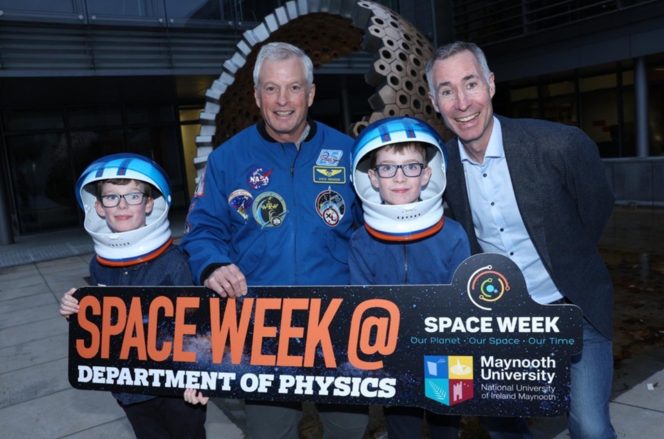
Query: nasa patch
241, 201
330, 206
269, 209
259, 178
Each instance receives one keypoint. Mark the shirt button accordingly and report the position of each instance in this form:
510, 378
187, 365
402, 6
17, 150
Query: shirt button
502, 230
484, 175
492, 203
511, 253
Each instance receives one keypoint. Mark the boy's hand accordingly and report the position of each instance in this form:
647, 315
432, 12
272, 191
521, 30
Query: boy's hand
68, 303
193, 396
227, 281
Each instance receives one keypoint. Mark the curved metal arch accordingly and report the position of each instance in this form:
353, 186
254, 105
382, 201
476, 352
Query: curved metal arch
325, 30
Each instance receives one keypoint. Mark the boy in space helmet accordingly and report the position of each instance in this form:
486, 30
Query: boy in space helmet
399, 174
126, 198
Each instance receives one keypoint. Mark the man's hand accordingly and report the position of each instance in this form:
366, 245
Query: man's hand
227, 281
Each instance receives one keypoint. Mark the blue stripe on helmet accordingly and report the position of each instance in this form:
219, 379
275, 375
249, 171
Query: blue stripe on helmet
122, 168
384, 133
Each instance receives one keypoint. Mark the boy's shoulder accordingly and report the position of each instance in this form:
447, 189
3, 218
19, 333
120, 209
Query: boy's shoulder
171, 256
451, 222
171, 267
362, 242
454, 226
173, 253
359, 235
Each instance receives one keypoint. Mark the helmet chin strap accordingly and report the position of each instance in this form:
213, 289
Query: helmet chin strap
410, 236
138, 260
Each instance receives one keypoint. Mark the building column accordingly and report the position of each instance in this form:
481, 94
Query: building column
5, 219
641, 103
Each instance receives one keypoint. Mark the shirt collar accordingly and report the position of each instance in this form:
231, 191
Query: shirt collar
307, 135
494, 149
304, 135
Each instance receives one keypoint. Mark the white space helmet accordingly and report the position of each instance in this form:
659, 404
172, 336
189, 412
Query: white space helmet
404, 222
131, 247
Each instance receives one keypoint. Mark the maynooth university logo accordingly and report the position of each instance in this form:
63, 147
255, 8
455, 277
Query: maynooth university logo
448, 379
486, 285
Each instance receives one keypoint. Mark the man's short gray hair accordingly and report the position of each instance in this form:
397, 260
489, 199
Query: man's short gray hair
279, 51
451, 49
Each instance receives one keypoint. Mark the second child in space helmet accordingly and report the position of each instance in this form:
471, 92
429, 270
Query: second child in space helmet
400, 221
399, 174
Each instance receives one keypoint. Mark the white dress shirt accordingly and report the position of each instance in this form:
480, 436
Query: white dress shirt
498, 224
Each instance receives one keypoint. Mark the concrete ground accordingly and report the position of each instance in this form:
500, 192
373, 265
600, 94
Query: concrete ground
36, 400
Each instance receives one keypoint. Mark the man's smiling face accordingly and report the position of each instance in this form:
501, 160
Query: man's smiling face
284, 98
462, 96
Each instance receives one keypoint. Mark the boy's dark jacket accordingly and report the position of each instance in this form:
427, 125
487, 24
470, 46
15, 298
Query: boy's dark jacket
431, 260
168, 269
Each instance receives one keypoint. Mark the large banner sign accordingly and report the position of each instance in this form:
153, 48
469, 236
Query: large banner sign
479, 346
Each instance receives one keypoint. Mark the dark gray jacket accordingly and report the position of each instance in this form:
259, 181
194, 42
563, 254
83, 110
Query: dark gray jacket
565, 202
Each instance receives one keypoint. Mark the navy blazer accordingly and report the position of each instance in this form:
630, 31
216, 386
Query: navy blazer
565, 201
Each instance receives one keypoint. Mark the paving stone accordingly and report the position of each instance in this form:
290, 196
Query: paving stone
32, 331
33, 382
10, 290
634, 422
647, 394
118, 429
30, 314
59, 414
33, 353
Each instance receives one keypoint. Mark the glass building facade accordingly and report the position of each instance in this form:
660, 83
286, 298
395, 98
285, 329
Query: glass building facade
600, 100
84, 78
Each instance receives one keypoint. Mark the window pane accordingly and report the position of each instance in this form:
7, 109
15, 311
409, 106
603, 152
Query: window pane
597, 82
524, 109
628, 145
33, 120
255, 10
150, 115
562, 109
94, 117
163, 146
656, 112
133, 8
38, 5
189, 131
600, 121
520, 94
88, 146
558, 88
43, 180
196, 9
190, 114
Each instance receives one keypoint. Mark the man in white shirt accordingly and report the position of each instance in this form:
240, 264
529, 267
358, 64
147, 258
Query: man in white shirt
534, 191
